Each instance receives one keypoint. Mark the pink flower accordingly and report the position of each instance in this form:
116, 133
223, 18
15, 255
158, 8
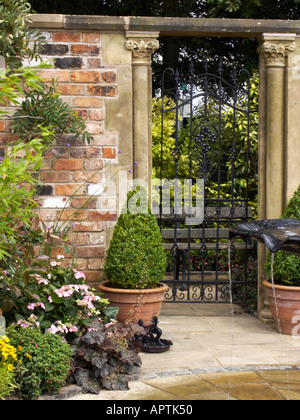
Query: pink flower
73, 329
53, 263
79, 275
32, 306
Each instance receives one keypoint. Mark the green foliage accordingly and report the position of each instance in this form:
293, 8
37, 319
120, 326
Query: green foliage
15, 35
44, 105
8, 358
230, 120
135, 258
45, 361
168, 145
7, 382
41, 116
17, 192
287, 266
12, 84
105, 357
44, 293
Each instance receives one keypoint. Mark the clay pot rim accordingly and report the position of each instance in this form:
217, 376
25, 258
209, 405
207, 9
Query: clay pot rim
162, 287
268, 284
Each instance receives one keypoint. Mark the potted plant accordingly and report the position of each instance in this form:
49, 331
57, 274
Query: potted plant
135, 263
284, 297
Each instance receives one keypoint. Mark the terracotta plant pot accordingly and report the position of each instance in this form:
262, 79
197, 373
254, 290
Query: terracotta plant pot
287, 314
135, 304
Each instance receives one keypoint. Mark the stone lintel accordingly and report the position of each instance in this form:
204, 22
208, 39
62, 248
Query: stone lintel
249, 28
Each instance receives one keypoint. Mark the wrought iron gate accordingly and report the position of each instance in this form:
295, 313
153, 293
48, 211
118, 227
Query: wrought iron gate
210, 142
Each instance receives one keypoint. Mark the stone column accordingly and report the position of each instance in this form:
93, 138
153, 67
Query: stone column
142, 45
273, 50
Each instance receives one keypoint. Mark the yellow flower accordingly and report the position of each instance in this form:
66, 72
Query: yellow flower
10, 367
28, 355
20, 348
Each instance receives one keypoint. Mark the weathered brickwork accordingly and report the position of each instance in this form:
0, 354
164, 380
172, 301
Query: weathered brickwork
71, 167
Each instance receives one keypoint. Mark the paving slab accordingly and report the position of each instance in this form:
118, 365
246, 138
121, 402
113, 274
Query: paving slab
218, 352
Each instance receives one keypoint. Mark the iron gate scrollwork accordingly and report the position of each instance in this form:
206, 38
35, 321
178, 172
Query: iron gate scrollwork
208, 143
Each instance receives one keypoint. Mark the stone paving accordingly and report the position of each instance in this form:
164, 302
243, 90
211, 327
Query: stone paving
218, 352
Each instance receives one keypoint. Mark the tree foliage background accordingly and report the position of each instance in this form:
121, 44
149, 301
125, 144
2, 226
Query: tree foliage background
176, 51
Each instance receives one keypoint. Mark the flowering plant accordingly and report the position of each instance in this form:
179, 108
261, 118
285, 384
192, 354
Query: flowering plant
8, 358
45, 361
48, 295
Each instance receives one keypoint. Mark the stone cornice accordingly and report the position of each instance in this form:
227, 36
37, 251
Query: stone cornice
249, 28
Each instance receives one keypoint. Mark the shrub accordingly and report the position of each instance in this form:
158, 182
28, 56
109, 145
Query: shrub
45, 361
42, 292
106, 357
8, 358
287, 266
136, 258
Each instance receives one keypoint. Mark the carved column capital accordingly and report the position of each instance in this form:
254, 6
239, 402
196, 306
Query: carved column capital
142, 49
275, 49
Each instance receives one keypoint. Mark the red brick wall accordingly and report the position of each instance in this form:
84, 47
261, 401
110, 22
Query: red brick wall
71, 165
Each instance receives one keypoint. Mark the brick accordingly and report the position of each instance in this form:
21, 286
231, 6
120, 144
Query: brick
94, 63
68, 140
95, 128
51, 176
85, 152
85, 49
82, 113
66, 37
68, 63
104, 140
93, 164
88, 226
56, 152
70, 189
90, 176
107, 91
90, 37
88, 102
109, 77
55, 49
44, 190
78, 238
60, 251
89, 251
85, 76
96, 115
67, 164
6, 138
96, 238
73, 90
87, 202
96, 216
60, 75
74, 215
93, 277
81, 264
55, 203
109, 152
94, 263
48, 214
2, 125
